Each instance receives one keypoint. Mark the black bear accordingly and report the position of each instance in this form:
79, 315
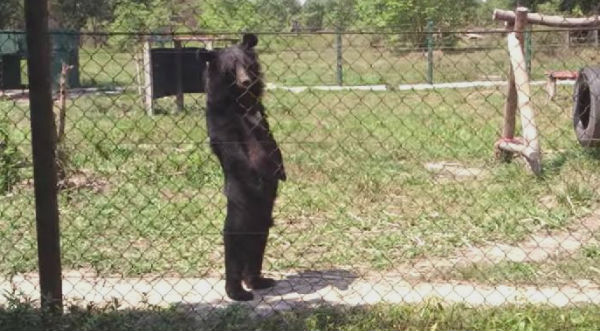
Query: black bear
250, 158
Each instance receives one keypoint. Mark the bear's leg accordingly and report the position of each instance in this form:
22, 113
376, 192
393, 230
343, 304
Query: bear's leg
252, 272
263, 210
235, 254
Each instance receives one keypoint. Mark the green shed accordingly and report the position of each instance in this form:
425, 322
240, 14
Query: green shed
13, 49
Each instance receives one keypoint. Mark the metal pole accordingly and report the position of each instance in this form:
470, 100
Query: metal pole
430, 52
528, 50
339, 58
43, 141
179, 75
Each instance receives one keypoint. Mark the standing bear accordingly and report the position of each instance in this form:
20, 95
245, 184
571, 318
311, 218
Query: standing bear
250, 158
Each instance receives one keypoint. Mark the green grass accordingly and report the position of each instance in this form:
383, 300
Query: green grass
311, 60
358, 195
429, 316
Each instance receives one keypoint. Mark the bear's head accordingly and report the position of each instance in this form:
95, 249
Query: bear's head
237, 67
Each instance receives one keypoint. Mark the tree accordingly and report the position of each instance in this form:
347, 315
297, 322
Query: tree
142, 16
531, 4
11, 14
250, 15
587, 7
313, 14
319, 14
413, 15
74, 14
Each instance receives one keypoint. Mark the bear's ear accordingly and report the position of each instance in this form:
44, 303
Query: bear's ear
249, 40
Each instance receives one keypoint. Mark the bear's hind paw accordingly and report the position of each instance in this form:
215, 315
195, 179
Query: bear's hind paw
259, 283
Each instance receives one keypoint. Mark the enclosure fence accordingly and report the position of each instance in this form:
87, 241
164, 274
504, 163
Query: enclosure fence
402, 183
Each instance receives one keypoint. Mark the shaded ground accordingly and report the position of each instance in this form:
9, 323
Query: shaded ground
343, 287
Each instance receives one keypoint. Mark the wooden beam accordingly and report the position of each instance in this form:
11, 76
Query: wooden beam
510, 107
530, 134
148, 95
139, 59
62, 102
548, 20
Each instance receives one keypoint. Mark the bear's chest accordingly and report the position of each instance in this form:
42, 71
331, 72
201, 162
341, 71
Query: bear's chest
255, 137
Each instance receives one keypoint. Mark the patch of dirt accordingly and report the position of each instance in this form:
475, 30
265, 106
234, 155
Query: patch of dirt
84, 179
539, 247
452, 172
76, 180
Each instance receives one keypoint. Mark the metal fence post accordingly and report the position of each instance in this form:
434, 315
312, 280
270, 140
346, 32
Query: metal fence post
43, 141
178, 75
339, 59
430, 52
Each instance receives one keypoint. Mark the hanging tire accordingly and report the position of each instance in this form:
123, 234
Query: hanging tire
586, 110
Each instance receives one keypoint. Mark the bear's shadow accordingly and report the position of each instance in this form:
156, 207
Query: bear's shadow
309, 282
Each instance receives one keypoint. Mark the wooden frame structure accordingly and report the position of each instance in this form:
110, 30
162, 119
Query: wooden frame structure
519, 92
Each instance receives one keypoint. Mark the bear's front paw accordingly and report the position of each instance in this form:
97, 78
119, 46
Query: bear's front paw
259, 283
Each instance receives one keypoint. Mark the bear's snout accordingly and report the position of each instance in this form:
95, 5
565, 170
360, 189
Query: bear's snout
241, 76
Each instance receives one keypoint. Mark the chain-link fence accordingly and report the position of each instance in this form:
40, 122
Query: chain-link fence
397, 190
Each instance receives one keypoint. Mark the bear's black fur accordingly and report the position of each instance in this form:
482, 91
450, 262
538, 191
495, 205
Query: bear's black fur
250, 158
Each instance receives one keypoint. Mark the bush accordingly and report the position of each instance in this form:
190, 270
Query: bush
10, 158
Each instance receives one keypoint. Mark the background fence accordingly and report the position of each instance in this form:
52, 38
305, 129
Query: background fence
394, 194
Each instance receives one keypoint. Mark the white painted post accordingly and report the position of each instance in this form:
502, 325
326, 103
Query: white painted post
148, 95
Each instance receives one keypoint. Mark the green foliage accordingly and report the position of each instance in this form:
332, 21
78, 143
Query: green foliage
313, 14
331, 14
230, 15
9, 161
239, 15
581, 7
484, 10
11, 14
74, 14
413, 15
142, 16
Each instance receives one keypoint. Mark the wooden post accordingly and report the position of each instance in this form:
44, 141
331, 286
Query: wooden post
530, 134
178, 76
62, 102
138, 72
148, 95
510, 107
547, 20
43, 141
